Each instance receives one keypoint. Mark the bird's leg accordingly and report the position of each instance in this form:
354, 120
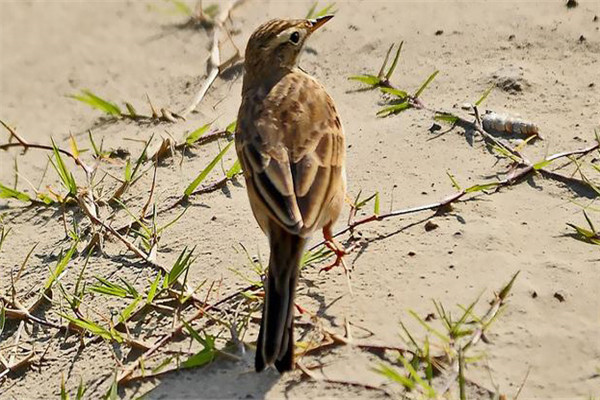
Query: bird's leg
337, 248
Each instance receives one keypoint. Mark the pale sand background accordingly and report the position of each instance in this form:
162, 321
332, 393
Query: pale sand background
121, 50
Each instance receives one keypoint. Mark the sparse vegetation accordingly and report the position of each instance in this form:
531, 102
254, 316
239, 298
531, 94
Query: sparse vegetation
111, 205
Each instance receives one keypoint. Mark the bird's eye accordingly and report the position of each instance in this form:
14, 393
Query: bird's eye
295, 38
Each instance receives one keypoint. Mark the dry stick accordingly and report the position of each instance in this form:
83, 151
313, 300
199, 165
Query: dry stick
214, 61
513, 177
26, 145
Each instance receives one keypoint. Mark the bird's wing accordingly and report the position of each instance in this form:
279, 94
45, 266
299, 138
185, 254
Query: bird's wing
293, 151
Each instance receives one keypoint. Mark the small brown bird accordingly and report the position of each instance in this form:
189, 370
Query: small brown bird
291, 145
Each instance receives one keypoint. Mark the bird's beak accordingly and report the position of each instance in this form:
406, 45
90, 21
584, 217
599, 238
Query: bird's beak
317, 23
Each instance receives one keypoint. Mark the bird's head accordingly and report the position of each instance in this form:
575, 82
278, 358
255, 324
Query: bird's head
277, 44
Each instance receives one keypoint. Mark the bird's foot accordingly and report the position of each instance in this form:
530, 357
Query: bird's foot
340, 252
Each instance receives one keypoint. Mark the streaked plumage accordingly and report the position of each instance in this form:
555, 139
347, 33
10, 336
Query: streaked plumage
290, 142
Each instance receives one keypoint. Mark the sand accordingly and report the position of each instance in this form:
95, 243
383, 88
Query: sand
122, 50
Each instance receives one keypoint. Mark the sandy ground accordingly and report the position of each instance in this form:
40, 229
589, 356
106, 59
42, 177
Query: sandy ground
122, 50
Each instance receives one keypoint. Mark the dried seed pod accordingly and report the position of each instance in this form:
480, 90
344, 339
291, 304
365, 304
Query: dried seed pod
508, 124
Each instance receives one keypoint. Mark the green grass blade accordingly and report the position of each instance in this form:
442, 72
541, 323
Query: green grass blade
368, 79
479, 188
194, 334
425, 84
181, 265
231, 127
197, 134
192, 186
204, 357
80, 390
589, 221
394, 109
113, 392
109, 288
63, 391
395, 376
311, 11
92, 327
98, 103
461, 376
429, 327
541, 164
153, 287
131, 110
401, 94
376, 205
235, 169
128, 171
506, 289
2, 318
455, 184
484, 95
446, 117
60, 266
8, 193
142, 158
390, 72
65, 175
172, 222
211, 10
126, 313
416, 377
326, 10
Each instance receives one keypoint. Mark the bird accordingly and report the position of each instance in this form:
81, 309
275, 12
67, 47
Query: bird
291, 145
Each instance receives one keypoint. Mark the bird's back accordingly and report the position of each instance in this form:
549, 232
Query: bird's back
291, 144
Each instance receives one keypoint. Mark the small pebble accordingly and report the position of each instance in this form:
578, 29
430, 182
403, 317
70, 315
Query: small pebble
430, 225
435, 127
559, 297
439, 32
412, 253
581, 39
572, 3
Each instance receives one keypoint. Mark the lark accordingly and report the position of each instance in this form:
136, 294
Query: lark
291, 145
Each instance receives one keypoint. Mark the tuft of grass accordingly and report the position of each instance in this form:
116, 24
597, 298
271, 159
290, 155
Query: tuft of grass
182, 265
455, 338
113, 289
89, 98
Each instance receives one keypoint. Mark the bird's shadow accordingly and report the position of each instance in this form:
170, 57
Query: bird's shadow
222, 379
